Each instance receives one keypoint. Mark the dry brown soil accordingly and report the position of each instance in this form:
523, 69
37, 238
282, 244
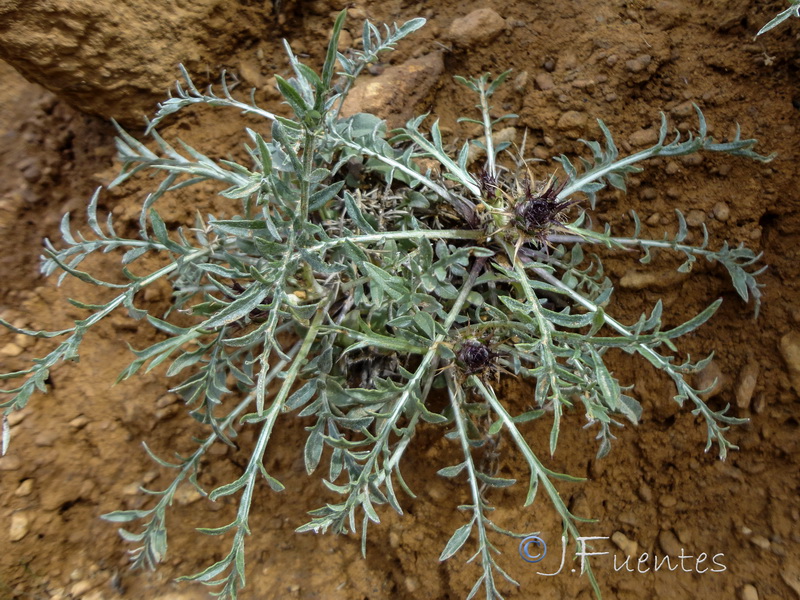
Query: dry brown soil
76, 452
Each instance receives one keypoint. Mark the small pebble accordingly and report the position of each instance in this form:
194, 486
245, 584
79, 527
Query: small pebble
653, 219
544, 81
629, 547
760, 541
164, 414
152, 294
685, 535
521, 81
691, 160
568, 60
645, 493
394, 539
16, 417
649, 193
791, 577
79, 588
721, 212
270, 89
541, 152
638, 64
46, 439
669, 543
571, 120
748, 379
32, 173
695, 218
748, 592
11, 349
24, 341
640, 280
790, 350
79, 422
667, 501
357, 13
478, 27
250, 71
20, 525
412, 584
25, 488
166, 400
10, 463
643, 137
672, 168
187, 494
686, 109
549, 65
707, 378
584, 84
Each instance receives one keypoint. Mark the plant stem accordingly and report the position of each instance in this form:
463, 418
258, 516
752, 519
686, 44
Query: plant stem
456, 400
538, 470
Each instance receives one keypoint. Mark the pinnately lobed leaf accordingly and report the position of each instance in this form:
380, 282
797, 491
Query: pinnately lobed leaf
350, 282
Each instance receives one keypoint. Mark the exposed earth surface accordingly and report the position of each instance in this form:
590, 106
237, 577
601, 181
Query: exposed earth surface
76, 452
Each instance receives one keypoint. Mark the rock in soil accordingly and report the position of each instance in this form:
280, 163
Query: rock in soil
20, 525
478, 27
790, 349
394, 94
748, 379
669, 543
640, 280
122, 56
748, 592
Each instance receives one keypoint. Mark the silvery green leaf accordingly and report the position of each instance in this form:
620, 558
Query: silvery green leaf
452, 471
354, 212
793, 10
239, 308
125, 516
313, 448
498, 482
302, 396
457, 540
292, 97
694, 322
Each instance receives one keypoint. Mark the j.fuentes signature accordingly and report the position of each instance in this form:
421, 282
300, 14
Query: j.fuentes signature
533, 549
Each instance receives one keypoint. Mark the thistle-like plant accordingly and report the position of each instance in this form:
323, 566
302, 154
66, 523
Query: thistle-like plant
345, 300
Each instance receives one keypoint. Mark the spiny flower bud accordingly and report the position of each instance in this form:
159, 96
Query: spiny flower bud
475, 356
534, 215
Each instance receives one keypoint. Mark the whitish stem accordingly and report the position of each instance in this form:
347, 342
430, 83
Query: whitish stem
538, 470
487, 133
477, 512
546, 343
